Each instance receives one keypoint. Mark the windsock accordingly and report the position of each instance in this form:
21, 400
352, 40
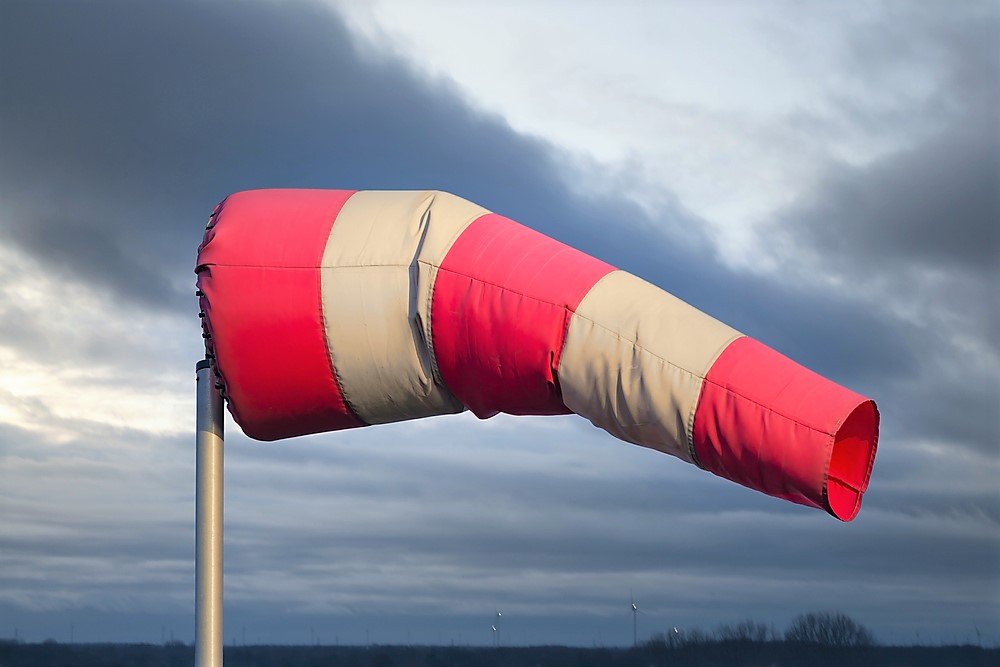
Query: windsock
332, 309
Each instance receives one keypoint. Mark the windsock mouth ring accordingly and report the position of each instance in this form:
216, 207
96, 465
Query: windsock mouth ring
851, 461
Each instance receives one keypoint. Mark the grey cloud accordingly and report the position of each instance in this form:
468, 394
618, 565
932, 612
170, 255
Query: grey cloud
588, 528
915, 235
125, 122
935, 205
117, 349
906, 205
111, 530
952, 400
138, 118
79, 249
936, 282
357, 526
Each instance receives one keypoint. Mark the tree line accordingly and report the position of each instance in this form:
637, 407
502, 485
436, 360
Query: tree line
817, 639
832, 629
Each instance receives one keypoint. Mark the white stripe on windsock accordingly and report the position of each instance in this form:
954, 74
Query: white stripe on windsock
634, 361
378, 272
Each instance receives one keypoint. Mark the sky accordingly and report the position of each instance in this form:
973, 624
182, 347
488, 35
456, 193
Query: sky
823, 177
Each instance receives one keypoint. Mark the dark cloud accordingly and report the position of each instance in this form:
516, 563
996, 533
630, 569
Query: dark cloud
127, 122
904, 212
915, 234
936, 205
92, 252
933, 206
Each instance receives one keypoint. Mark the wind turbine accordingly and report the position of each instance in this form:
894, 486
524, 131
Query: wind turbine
496, 632
635, 619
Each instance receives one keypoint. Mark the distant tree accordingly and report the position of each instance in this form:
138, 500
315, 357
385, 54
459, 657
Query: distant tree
693, 636
745, 631
829, 629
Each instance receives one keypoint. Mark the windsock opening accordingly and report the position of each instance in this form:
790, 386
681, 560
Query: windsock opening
851, 461
768, 423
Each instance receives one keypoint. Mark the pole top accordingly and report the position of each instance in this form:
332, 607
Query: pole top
203, 364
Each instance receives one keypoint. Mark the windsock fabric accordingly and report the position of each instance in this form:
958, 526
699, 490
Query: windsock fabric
334, 309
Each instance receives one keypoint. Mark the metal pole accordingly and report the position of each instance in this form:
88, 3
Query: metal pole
208, 520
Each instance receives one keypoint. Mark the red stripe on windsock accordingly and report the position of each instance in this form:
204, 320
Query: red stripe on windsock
501, 305
259, 271
772, 425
